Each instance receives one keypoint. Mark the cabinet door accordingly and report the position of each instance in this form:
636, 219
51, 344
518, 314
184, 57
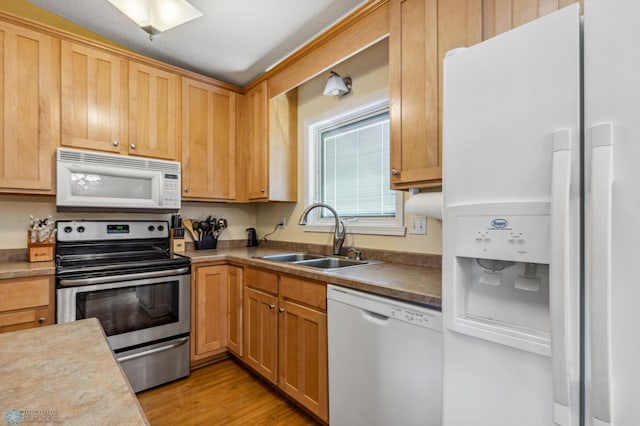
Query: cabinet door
208, 141
503, 15
29, 109
303, 356
413, 76
25, 319
234, 309
152, 112
93, 113
261, 333
257, 144
421, 33
210, 322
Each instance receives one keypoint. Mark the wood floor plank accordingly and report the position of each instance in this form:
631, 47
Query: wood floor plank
220, 394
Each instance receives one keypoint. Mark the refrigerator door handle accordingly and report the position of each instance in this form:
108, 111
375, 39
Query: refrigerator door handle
600, 273
560, 276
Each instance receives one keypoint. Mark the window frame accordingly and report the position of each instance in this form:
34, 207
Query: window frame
360, 109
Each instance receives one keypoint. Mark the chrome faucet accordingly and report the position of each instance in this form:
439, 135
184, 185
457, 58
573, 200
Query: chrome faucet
338, 236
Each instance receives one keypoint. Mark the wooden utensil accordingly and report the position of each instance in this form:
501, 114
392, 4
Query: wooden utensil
189, 227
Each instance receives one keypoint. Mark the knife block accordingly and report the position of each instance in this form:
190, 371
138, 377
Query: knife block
40, 252
178, 244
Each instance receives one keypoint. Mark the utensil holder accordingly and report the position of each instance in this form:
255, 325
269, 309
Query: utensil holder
40, 252
207, 242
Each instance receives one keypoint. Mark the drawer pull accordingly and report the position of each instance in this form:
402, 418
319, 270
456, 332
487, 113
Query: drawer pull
42, 320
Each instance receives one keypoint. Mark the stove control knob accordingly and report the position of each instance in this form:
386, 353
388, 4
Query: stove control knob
80, 229
160, 228
67, 229
151, 228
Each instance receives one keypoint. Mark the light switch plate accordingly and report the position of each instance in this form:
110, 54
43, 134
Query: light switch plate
418, 225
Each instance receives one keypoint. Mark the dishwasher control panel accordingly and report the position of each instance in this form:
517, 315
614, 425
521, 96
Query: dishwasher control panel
385, 309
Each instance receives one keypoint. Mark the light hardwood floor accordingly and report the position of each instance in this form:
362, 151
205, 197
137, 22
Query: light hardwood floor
220, 394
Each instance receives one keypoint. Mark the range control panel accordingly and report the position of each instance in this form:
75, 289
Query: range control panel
90, 230
508, 237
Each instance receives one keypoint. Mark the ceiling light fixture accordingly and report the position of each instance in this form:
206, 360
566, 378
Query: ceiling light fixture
337, 86
155, 16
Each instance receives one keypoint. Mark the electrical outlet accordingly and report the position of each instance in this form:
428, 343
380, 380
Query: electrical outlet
418, 225
283, 221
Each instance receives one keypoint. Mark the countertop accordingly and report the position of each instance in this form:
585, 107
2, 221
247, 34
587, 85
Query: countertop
410, 283
65, 374
416, 284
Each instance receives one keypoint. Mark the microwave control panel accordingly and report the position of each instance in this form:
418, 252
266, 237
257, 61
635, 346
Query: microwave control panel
171, 190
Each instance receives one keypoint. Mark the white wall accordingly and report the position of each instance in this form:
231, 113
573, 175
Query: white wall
15, 211
370, 74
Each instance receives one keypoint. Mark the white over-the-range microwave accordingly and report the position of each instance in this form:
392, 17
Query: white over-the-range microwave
92, 181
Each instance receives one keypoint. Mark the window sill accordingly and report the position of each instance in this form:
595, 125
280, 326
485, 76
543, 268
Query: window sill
390, 230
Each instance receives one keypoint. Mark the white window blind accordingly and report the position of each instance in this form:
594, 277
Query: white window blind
354, 168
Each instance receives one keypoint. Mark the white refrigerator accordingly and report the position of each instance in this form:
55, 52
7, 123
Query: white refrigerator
541, 135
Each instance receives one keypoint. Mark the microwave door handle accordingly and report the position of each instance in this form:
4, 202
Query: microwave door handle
65, 282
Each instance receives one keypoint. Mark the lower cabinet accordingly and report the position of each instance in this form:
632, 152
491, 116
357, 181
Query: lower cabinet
286, 335
216, 311
26, 303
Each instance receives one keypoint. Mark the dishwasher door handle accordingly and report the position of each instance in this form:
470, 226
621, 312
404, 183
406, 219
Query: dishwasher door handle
374, 317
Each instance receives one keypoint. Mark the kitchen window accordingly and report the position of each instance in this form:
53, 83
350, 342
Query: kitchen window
348, 160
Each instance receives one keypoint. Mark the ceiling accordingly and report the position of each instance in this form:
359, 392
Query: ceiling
235, 41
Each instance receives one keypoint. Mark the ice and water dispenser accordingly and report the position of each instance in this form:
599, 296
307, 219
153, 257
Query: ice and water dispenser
500, 274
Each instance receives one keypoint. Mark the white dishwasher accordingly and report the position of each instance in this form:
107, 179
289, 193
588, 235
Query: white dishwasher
385, 361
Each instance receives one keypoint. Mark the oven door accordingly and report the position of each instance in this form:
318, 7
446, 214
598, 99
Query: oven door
131, 312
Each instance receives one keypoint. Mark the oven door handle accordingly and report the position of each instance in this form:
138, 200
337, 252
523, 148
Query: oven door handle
173, 345
117, 278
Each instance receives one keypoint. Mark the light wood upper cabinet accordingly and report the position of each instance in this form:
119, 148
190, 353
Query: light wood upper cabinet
26, 303
29, 109
152, 112
268, 129
503, 15
94, 99
208, 141
421, 32
257, 143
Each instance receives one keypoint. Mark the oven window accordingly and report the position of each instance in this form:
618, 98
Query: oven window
126, 309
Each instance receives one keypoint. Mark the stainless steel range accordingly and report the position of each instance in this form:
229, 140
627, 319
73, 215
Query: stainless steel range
124, 274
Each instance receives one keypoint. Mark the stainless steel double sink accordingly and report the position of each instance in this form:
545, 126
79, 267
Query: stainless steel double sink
316, 261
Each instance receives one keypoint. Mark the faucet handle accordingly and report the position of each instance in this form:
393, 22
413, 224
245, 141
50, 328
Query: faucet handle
358, 253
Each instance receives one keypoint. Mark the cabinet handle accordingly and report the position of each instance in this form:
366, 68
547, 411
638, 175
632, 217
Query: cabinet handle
395, 172
42, 320
281, 310
186, 189
272, 306
263, 190
115, 143
133, 146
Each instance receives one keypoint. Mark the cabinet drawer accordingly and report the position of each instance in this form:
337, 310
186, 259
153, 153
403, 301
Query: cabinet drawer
261, 280
24, 293
22, 320
307, 292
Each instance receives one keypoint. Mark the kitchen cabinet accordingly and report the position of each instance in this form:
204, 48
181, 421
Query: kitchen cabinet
261, 322
268, 158
208, 142
94, 99
234, 310
215, 301
26, 303
152, 112
501, 15
420, 34
29, 109
302, 343
286, 335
